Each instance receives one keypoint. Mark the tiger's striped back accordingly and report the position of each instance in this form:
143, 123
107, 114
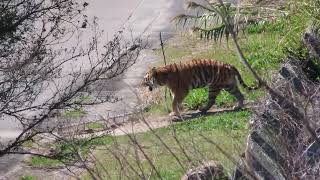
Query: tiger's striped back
205, 72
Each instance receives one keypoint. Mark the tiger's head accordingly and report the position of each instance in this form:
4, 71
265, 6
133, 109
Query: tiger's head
149, 79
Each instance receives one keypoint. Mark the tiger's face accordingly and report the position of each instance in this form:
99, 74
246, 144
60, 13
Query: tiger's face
149, 79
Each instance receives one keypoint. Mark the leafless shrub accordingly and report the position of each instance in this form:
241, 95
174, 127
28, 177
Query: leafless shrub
47, 66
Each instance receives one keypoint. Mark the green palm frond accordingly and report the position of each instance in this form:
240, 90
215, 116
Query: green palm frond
215, 33
211, 23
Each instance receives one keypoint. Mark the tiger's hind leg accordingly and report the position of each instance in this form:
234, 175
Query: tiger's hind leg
212, 95
234, 90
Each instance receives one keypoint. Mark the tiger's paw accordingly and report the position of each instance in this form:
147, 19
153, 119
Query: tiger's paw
237, 108
173, 114
175, 117
203, 110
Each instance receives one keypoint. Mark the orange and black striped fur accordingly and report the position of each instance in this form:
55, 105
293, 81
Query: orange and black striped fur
182, 77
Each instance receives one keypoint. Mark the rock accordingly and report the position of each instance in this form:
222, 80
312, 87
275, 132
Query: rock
312, 43
312, 154
207, 171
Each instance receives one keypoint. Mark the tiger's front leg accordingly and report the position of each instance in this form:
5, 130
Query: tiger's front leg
177, 103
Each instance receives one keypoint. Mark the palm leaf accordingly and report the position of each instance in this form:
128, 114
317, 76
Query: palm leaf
211, 24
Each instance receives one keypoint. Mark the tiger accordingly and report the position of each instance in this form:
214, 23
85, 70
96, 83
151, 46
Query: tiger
197, 73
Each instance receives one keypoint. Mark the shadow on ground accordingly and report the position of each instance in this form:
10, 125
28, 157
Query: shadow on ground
189, 115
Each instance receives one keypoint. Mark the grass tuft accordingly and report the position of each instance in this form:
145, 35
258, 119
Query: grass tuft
43, 162
76, 113
66, 151
27, 177
94, 125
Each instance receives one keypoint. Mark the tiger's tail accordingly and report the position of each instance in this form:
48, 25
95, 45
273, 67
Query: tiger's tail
243, 83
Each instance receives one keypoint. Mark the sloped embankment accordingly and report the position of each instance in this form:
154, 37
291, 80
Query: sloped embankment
284, 142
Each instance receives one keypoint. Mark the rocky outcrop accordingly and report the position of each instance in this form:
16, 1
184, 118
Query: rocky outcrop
207, 171
283, 145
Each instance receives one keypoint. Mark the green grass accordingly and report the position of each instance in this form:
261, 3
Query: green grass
66, 152
173, 52
159, 109
28, 144
85, 99
27, 177
196, 98
94, 125
228, 130
43, 162
75, 113
223, 121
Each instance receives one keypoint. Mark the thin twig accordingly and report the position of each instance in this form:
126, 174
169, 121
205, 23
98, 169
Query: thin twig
165, 63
